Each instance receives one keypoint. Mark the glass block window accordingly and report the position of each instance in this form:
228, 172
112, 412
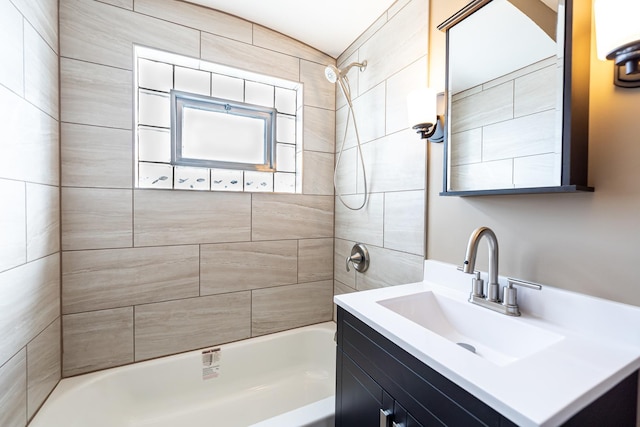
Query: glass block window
204, 126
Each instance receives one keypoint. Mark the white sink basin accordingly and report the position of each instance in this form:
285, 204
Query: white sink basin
496, 337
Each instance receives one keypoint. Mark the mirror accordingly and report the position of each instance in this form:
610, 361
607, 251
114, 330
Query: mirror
517, 97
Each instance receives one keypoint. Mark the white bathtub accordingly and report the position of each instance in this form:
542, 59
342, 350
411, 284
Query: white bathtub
283, 379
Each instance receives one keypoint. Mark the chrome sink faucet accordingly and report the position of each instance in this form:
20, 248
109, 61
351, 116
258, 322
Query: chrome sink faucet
508, 305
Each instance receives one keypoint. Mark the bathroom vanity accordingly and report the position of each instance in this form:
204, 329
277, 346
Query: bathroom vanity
399, 362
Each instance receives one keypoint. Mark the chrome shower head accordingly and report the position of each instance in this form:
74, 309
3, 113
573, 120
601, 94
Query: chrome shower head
333, 73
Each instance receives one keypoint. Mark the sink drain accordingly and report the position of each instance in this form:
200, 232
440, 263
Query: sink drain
469, 347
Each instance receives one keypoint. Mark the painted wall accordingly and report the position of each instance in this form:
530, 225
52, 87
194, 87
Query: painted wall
30, 212
391, 225
146, 273
581, 242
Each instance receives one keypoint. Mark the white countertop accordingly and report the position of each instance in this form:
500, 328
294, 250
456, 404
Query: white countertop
601, 346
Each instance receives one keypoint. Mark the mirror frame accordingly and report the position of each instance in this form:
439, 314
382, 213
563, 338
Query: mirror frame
575, 109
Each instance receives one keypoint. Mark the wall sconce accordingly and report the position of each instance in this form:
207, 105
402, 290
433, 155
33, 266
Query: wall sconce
422, 112
618, 38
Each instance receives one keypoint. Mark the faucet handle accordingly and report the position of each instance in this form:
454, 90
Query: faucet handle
510, 296
477, 284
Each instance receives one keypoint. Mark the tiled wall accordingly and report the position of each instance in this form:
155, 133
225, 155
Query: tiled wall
147, 272
29, 216
392, 223
484, 154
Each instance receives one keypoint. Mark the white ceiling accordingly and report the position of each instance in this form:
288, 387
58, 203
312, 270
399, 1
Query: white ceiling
328, 25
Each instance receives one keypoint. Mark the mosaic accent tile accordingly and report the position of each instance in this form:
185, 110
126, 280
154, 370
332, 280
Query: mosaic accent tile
186, 178
258, 181
226, 180
155, 175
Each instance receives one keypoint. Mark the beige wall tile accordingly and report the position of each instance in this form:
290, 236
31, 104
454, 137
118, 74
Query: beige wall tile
245, 56
284, 216
493, 105
486, 175
401, 41
194, 16
286, 307
95, 95
404, 221
43, 220
44, 366
40, 73
269, 39
96, 218
534, 93
390, 268
365, 225
175, 326
103, 34
399, 86
396, 7
340, 288
236, 267
13, 245
466, 147
96, 280
366, 35
353, 75
349, 171
33, 153
319, 129
43, 15
537, 171
96, 340
13, 392
342, 250
395, 163
370, 114
318, 91
317, 177
29, 301
11, 48
315, 260
186, 217
96, 156
126, 4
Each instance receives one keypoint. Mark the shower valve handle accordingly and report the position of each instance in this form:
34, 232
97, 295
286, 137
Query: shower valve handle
359, 258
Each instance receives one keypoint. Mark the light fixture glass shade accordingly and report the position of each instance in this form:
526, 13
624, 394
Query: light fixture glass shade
616, 24
421, 106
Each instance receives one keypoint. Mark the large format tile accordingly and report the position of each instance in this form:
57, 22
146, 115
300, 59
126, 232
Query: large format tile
29, 144
389, 268
404, 221
29, 301
96, 218
194, 16
11, 48
370, 114
44, 366
317, 177
269, 39
399, 86
43, 16
315, 260
225, 267
96, 280
395, 163
318, 91
493, 105
185, 217
96, 340
125, 4
287, 307
13, 245
341, 252
248, 57
400, 42
96, 156
13, 391
43, 220
284, 216
319, 129
41, 80
175, 326
365, 225
103, 34
366, 35
95, 94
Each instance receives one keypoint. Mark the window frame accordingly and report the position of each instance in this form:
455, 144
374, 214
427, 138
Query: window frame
180, 100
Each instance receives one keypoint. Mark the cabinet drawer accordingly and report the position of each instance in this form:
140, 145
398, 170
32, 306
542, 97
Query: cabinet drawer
428, 396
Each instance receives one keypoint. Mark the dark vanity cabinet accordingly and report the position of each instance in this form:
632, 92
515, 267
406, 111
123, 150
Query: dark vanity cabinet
379, 384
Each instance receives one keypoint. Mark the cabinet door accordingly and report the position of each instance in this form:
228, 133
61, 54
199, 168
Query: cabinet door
402, 418
360, 400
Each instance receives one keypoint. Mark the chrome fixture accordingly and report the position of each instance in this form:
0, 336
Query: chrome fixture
359, 258
618, 38
337, 75
509, 303
422, 108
